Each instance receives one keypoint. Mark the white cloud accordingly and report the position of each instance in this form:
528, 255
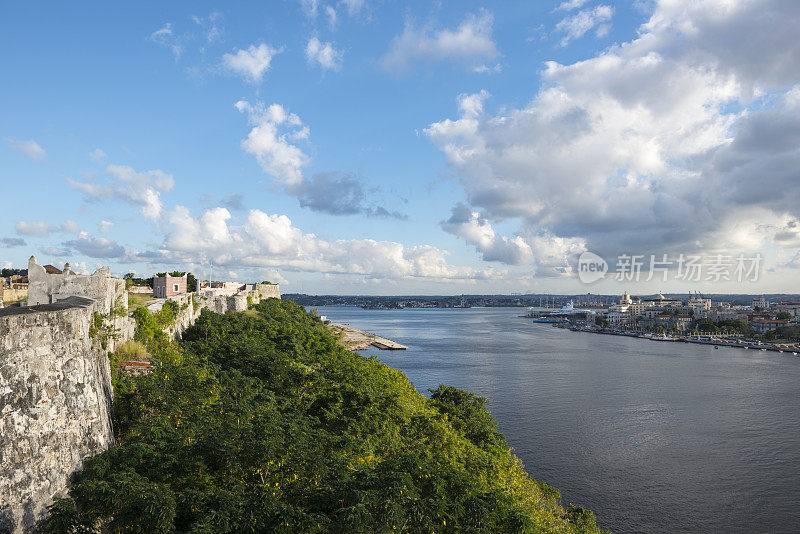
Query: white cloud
164, 36
269, 140
12, 242
323, 54
104, 226
30, 148
272, 241
43, 228
654, 145
476, 230
70, 227
97, 154
251, 63
569, 5
140, 188
575, 26
330, 11
310, 8
210, 27
353, 7
96, 247
33, 228
471, 44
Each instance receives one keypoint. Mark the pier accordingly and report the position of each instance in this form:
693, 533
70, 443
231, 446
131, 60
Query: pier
353, 339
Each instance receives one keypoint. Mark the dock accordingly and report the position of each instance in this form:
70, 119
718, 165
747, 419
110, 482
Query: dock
353, 339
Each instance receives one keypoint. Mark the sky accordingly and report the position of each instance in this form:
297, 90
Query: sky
377, 147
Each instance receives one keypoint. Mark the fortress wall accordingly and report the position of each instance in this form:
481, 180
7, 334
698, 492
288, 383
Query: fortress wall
269, 291
55, 405
55, 382
44, 288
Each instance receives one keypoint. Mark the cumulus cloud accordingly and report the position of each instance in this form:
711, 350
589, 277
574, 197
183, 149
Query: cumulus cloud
30, 148
139, 188
70, 227
323, 55
569, 5
576, 26
470, 44
96, 247
104, 226
13, 242
272, 241
338, 194
252, 63
476, 230
682, 139
272, 141
33, 228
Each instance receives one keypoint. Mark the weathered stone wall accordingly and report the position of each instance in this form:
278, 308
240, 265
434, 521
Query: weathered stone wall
269, 291
187, 314
55, 397
55, 386
44, 288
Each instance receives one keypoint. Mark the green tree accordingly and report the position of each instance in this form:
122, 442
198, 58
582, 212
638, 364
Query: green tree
262, 422
784, 316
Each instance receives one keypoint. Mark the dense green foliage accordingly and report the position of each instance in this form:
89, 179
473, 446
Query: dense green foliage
150, 326
261, 422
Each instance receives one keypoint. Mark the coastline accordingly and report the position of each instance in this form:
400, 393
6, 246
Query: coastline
697, 339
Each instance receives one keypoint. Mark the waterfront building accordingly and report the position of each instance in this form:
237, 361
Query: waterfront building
699, 307
763, 325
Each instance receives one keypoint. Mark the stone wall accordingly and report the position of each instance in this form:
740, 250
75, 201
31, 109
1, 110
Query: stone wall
55, 382
269, 291
55, 397
44, 288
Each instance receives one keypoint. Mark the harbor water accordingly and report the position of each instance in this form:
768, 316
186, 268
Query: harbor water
651, 436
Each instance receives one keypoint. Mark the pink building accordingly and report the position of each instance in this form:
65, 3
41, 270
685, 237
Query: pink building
168, 286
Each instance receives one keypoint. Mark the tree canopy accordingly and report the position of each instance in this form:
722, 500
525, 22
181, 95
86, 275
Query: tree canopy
261, 422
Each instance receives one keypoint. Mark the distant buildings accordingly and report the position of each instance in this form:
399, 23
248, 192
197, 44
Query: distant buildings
662, 313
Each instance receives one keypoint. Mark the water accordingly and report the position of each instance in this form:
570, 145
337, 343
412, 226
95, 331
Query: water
651, 436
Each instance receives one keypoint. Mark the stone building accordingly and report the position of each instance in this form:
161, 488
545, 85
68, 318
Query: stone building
169, 286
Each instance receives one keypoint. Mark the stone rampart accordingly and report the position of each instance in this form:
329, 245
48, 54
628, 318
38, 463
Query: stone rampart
55, 397
45, 288
55, 380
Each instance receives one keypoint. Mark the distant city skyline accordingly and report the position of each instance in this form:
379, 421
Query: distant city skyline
361, 147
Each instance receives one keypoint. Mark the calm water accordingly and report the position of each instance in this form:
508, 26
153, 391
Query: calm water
652, 436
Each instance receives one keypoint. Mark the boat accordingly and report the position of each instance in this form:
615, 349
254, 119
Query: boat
662, 338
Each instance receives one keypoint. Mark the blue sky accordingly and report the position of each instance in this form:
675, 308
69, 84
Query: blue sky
380, 147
